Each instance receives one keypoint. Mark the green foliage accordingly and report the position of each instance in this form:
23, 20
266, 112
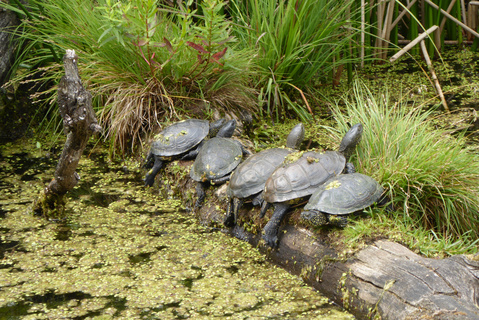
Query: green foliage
142, 62
432, 178
297, 41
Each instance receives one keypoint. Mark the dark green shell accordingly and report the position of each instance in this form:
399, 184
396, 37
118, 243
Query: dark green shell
250, 176
217, 158
180, 137
345, 194
302, 177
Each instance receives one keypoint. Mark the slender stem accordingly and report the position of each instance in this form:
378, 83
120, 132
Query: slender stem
433, 75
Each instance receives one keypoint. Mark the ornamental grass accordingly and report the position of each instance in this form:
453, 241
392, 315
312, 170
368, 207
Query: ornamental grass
432, 177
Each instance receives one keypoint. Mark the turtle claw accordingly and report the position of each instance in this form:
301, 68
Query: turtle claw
229, 221
271, 240
149, 180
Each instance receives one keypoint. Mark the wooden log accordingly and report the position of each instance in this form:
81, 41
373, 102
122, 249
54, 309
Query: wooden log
79, 123
385, 280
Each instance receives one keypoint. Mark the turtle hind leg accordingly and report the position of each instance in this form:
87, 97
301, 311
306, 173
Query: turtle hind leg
271, 229
264, 207
232, 212
258, 200
150, 176
201, 193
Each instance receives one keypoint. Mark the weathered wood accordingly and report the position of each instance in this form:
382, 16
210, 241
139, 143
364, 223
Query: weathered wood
419, 38
79, 123
8, 22
433, 75
384, 279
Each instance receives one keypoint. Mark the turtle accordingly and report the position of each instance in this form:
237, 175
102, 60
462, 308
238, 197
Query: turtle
217, 158
248, 179
333, 201
301, 178
181, 140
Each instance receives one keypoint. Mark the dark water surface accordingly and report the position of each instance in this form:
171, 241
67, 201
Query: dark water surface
125, 253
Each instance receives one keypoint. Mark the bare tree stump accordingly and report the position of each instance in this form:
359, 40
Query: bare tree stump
79, 123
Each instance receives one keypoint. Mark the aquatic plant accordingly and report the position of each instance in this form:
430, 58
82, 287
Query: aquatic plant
431, 176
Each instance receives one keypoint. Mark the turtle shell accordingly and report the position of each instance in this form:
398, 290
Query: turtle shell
345, 194
302, 177
217, 157
180, 137
250, 176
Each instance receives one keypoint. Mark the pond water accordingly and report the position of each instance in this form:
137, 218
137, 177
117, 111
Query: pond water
126, 253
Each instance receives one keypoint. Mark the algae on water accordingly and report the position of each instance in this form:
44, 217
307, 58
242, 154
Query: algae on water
125, 252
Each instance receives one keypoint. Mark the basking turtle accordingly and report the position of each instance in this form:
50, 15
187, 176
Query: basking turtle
217, 158
181, 140
301, 178
334, 200
247, 181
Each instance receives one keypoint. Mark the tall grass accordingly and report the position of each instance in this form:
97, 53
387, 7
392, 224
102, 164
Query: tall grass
142, 64
297, 41
432, 178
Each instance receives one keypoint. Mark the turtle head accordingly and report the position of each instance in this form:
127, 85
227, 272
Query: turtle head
351, 140
295, 137
314, 218
216, 126
227, 130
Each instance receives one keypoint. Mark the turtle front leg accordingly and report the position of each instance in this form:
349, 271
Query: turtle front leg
150, 176
339, 221
150, 160
232, 212
272, 227
201, 193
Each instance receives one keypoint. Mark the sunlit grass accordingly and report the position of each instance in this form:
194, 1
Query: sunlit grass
297, 41
431, 177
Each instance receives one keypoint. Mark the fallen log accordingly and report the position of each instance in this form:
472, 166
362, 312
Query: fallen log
385, 279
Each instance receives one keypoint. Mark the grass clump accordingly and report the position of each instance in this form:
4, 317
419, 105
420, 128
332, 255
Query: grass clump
297, 42
432, 177
143, 62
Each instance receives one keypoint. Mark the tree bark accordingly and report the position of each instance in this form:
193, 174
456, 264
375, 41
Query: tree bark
385, 280
79, 123
8, 22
